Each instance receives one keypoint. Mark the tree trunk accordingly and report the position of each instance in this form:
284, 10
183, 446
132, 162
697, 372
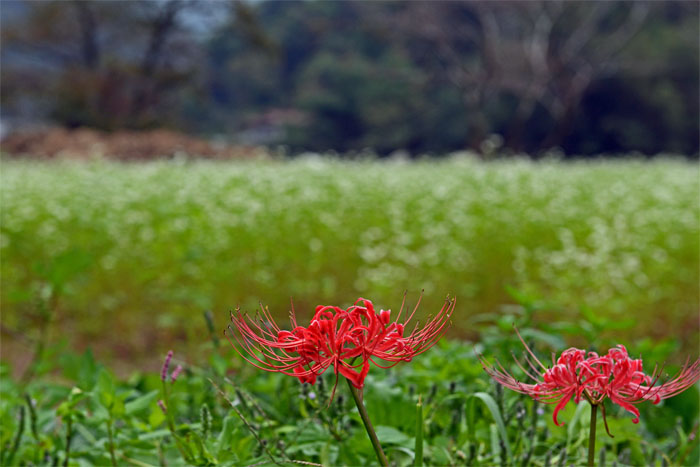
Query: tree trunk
88, 33
562, 128
514, 134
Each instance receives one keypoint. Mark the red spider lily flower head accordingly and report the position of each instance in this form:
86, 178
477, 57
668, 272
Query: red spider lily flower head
622, 380
576, 374
388, 340
345, 339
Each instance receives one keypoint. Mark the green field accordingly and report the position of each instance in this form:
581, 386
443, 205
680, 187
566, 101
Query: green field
121, 255
124, 259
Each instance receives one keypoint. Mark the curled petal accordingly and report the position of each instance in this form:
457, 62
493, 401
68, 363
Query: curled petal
560, 405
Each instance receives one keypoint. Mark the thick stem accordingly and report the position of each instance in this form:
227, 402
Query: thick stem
357, 396
591, 436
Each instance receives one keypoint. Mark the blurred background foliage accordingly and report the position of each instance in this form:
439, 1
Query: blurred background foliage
495, 77
118, 257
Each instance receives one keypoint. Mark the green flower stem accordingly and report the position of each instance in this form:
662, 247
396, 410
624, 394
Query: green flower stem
418, 458
591, 436
171, 423
69, 437
357, 396
111, 439
18, 438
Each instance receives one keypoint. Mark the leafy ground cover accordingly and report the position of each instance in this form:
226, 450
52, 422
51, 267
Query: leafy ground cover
222, 412
119, 256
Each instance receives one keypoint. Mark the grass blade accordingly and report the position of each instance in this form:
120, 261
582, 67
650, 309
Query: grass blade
418, 449
490, 404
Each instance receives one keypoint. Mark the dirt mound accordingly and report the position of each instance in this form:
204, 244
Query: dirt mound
86, 143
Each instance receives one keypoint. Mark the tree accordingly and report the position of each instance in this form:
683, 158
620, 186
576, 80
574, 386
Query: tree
106, 64
541, 55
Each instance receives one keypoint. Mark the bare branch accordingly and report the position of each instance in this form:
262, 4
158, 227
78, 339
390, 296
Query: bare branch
621, 38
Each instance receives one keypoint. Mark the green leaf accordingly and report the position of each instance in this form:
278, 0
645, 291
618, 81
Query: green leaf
105, 389
74, 398
219, 364
495, 449
224, 439
496, 414
156, 417
85, 433
389, 435
325, 454
118, 409
583, 409
82, 369
553, 341
154, 434
140, 403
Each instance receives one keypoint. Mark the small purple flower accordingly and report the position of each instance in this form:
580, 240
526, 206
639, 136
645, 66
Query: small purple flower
161, 404
176, 373
166, 365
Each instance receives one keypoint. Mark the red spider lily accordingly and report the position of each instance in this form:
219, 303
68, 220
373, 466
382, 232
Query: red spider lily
348, 340
615, 376
622, 380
